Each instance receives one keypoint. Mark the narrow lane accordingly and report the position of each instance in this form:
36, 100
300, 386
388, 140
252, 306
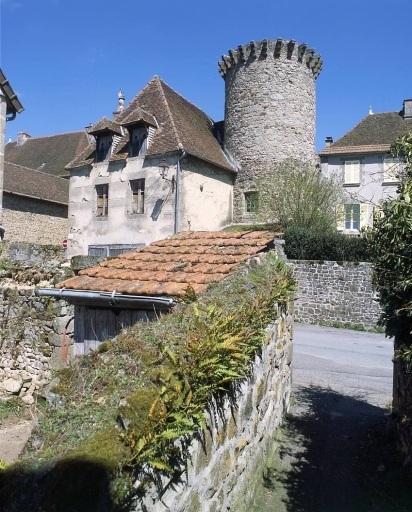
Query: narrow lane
335, 452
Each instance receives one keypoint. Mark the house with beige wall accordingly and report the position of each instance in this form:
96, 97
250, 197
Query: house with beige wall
361, 161
155, 169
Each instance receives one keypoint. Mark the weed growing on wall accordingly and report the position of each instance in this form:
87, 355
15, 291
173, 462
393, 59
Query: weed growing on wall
132, 404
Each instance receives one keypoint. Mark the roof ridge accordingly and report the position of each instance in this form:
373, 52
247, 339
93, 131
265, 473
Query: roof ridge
159, 84
53, 135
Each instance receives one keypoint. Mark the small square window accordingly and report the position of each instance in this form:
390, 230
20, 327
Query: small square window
102, 194
352, 172
251, 202
137, 196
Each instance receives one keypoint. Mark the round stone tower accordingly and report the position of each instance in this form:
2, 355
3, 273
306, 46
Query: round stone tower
269, 111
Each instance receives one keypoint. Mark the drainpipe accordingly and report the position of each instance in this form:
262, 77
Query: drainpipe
177, 196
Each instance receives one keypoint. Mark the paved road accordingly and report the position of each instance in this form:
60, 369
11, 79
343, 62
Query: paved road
335, 452
349, 362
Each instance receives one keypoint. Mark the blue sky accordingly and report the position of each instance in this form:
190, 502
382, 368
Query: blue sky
67, 59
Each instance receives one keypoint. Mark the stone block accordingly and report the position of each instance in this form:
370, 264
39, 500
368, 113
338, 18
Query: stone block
12, 385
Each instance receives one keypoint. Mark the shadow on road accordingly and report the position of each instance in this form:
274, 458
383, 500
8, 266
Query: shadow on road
336, 454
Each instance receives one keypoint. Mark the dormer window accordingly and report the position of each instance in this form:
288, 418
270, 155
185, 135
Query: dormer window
103, 147
138, 141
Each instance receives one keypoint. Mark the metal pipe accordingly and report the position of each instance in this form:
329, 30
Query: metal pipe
177, 196
111, 298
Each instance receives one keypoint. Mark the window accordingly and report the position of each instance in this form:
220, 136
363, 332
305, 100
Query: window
352, 216
102, 193
103, 147
137, 189
138, 141
352, 172
391, 170
251, 202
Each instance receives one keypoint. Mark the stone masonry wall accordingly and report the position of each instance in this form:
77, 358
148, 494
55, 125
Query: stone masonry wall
269, 108
35, 337
225, 464
33, 221
333, 291
36, 333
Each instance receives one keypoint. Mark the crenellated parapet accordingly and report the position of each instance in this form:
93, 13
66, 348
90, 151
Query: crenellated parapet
275, 49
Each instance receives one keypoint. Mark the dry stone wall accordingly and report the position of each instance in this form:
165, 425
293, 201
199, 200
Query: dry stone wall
35, 332
335, 292
226, 462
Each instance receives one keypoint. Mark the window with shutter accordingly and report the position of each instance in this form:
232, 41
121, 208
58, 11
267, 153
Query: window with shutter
340, 217
137, 196
103, 147
138, 141
391, 170
352, 216
102, 195
352, 172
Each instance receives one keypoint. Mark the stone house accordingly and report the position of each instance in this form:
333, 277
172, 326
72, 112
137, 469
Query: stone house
155, 169
36, 186
360, 159
161, 166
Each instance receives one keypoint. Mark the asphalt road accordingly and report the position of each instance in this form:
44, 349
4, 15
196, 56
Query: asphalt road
335, 451
349, 362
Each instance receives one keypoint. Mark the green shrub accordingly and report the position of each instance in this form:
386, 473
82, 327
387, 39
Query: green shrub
303, 244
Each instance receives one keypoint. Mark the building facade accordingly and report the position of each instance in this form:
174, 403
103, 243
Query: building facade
361, 161
155, 169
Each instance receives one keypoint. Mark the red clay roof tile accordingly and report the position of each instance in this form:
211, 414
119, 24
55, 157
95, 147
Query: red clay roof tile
171, 266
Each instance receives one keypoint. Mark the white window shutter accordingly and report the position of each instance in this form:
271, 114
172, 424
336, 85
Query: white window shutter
364, 216
352, 171
340, 217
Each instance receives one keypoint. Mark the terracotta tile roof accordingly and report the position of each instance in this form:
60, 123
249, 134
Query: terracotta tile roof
375, 133
47, 154
171, 266
27, 182
181, 125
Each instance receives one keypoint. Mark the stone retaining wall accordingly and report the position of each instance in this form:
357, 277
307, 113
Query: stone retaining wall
36, 333
225, 464
335, 292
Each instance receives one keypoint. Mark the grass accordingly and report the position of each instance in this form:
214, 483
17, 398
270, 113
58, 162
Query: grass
349, 325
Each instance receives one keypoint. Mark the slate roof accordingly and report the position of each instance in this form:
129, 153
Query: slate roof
375, 133
27, 182
181, 125
105, 125
49, 154
171, 266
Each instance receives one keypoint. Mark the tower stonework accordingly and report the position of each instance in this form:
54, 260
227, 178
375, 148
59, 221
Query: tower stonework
269, 110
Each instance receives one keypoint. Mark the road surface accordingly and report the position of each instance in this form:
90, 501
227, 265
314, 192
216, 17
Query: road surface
335, 452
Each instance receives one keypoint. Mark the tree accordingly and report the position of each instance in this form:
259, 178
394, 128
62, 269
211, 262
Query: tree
391, 241
295, 193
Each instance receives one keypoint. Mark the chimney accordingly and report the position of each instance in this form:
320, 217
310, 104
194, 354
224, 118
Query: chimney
407, 109
22, 137
329, 141
120, 105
